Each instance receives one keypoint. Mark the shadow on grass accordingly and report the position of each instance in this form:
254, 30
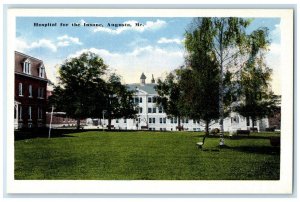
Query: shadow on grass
44, 132
57, 133
255, 149
239, 137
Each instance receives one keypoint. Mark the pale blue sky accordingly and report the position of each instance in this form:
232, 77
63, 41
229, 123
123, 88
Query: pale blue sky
155, 48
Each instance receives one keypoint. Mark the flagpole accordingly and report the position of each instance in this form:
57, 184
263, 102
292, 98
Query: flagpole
50, 122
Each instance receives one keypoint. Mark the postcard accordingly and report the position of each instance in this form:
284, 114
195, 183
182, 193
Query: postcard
149, 101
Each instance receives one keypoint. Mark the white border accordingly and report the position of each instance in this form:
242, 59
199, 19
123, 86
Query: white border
283, 186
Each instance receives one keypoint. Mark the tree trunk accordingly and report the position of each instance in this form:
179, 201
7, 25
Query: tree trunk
253, 120
206, 127
206, 131
179, 126
78, 124
221, 99
109, 123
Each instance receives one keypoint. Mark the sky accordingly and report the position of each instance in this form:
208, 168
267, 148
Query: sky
152, 45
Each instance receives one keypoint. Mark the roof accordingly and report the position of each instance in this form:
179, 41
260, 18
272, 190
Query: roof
35, 64
148, 88
143, 76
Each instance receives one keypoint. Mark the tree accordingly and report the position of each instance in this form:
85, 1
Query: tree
200, 80
227, 36
119, 100
169, 96
80, 89
257, 100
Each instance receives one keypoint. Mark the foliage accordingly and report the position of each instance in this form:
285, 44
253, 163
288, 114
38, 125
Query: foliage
79, 92
169, 95
119, 100
227, 38
258, 101
82, 91
200, 80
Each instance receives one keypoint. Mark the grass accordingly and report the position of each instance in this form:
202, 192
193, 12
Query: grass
97, 155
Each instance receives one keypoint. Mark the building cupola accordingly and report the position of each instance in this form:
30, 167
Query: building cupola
143, 79
152, 80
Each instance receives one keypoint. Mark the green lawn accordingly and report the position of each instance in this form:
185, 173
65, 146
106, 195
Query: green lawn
97, 155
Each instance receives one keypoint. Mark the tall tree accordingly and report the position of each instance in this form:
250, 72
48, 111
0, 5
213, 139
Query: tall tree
119, 100
230, 46
200, 80
80, 89
257, 100
169, 96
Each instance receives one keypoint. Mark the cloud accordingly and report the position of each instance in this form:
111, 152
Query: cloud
66, 40
275, 34
62, 41
164, 40
22, 45
149, 59
274, 61
131, 25
81, 22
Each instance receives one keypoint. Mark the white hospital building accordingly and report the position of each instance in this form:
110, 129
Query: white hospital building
152, 117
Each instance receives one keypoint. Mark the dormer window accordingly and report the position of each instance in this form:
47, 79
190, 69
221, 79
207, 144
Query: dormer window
42, 71
27, 67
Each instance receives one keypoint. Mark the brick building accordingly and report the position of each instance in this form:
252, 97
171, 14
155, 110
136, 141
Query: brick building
30, 92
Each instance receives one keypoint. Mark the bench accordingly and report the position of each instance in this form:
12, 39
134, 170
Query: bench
179, 128
199, 145
254, 130
111, 126
243, 132
144, 127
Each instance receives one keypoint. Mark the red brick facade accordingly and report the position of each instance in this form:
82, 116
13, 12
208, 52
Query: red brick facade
30, 91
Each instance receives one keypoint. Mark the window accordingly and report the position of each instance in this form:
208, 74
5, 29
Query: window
27, 67
248, 121
40, 113
141, 110
125, 120
42, 71
151, 120
149, 99
20, 89
136, 100
154, 110
149, 110
117, 120
30, 90
164, 120
160, 120
186, 120
29, 112
141, 100
40, 92
160, 110
175, 120
154, 99
20, 112
171, 120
